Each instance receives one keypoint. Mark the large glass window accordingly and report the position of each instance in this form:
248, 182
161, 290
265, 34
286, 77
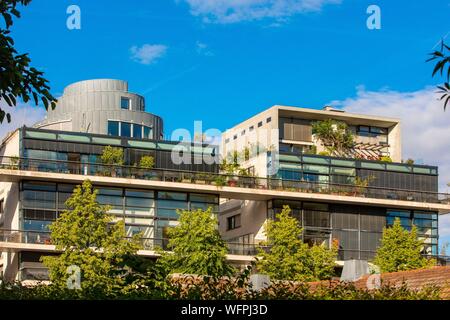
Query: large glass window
137, 131
111, 197
39, 196
403, 215
36, 225
290, 175
139, 203
113, 128
125, 129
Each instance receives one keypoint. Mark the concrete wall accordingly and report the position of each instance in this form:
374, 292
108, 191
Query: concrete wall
395, 143
86, 106
9, 192
253, 216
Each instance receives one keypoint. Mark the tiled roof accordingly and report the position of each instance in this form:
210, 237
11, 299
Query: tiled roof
416, 279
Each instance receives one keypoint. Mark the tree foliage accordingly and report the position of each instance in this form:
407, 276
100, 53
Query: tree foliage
287, 257
147, 162
442, 66
196, 245
335, 136
88, 238
400, 250
18, 80
112, 156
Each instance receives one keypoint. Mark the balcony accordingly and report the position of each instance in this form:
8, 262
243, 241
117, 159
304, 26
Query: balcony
215, 182
41, 241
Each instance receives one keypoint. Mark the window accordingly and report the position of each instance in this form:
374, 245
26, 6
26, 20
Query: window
251, 128
260, 124
148, 133
269, 119
235, 137
113, 128
227, 140
233, 222
137, 131
371, 131
2, 202
125, 103
125, 129
243, 132
363, 129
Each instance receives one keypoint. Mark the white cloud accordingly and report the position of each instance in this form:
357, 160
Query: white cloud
22, 114
233, 11
148, 53
425, 126
203, 49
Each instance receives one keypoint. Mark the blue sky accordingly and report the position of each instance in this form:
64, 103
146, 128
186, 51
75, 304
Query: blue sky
304, 59
221, 61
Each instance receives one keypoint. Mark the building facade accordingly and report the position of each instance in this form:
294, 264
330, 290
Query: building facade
40, 167
280, 144
103, 106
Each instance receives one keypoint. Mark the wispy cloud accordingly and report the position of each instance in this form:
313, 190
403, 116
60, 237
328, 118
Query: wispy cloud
147, 53
22, 114
170, 78
203, 49
233, 11
425, 129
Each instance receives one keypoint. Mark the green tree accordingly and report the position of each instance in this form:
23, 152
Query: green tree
196, 245
18, 80
400, 250
334, 135
323, 261
88, 238
442, 66
287, 257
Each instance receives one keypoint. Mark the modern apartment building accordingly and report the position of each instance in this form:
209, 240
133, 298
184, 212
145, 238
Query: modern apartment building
40, 167
347, 199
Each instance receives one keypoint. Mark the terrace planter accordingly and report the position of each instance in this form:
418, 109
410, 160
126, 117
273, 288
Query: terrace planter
185, 180
232, 183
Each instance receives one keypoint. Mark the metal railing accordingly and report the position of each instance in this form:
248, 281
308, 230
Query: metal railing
220, 180
41, 237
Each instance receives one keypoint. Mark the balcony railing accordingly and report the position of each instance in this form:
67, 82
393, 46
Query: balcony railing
219, 180
245, 249
41, 237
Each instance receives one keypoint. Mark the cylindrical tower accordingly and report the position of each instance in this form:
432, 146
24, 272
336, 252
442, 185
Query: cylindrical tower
103, 106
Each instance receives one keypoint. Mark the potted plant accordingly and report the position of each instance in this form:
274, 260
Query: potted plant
112, 157
361, 185
219, 181
200, 178
186, 178
146, 163
14, 162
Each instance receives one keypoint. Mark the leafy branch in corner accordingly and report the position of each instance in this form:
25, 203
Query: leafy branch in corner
443, 63
17, 78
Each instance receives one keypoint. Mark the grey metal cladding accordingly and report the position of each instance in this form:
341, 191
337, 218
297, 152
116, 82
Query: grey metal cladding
89, 104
